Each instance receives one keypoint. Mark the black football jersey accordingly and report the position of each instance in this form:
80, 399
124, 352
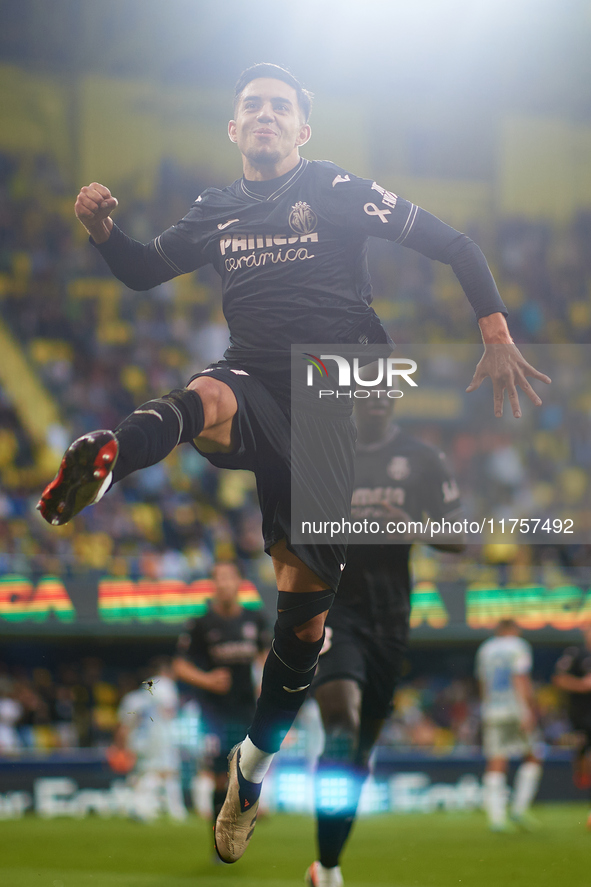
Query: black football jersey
399, 473
576, 661
214, 641
291, 253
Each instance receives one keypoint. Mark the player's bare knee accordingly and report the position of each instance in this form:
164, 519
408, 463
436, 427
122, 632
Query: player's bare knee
496, 765
340, 707
219, 401
342, 721
341, 728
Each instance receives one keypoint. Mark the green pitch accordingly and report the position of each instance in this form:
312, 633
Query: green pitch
433, 850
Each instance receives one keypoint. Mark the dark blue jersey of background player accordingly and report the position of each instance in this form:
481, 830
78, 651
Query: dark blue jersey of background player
291, 253
573, 674
216, 652
232, 642
397, 478
215, 655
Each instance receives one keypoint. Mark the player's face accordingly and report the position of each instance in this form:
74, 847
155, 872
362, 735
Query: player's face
373, 412
227, 581
269, 126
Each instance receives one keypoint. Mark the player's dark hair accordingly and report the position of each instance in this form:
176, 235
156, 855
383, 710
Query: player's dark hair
506, 625
276, 72
228, 562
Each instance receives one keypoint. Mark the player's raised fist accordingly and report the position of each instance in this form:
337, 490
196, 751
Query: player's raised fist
93, 208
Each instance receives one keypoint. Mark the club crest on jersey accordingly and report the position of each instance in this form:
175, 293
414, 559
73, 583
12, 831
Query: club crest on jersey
302, 218
398, 468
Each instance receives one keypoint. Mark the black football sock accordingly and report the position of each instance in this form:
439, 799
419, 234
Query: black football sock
152, 431
338, 783
287, 675
331, 834
335, 813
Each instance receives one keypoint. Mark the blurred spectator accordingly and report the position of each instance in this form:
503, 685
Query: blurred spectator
101, 349
10, 714
77, 705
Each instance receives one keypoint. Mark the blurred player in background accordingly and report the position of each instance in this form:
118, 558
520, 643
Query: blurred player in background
145, 729
573, 675
216, 655
289, 240
11, 711
397, 478
509, 719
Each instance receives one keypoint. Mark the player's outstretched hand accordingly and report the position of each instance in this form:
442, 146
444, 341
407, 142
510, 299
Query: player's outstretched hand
219, 680
507, 368
93, 208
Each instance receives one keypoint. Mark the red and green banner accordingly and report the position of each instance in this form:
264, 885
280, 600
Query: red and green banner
452, 609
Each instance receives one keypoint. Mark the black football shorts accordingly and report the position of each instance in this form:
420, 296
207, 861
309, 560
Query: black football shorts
352, 652
263, 432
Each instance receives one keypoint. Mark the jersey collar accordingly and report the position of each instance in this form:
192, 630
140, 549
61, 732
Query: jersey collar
392, 432
283, 187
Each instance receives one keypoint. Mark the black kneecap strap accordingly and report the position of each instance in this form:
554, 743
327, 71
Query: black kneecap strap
297, 607
295, 654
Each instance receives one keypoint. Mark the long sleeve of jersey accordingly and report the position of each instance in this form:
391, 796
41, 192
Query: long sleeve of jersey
436, 240
178, 250
365, 206
138, 265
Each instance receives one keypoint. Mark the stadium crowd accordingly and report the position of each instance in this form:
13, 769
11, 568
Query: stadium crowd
75, 705
100, 349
